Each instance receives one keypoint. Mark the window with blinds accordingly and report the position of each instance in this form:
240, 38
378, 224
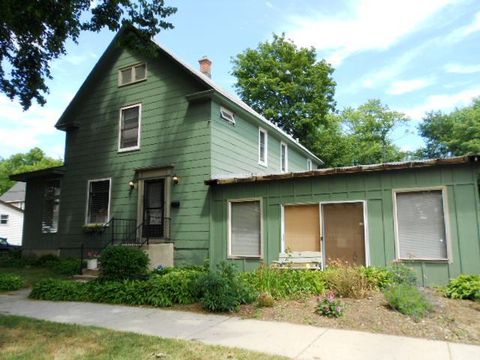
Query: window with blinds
262, 147
98, 206
421, 227
132, 74
245, 229
129, 136
51, 206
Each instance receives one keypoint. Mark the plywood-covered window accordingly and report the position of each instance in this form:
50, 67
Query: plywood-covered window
262, 147
129, 128
51, 206
98, 201
421, 225
245, 228
302, 228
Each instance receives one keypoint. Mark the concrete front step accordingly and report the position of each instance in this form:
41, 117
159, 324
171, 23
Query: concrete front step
92, 272
84, 278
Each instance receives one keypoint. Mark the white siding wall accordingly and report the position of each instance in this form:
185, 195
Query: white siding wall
14, 228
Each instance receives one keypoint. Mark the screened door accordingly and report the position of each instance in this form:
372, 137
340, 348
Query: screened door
344, 234
153, 208
302, 228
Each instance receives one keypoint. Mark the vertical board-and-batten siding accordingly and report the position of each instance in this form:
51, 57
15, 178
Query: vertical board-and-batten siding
377, 189
173, 132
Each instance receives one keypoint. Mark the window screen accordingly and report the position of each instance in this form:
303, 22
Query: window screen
4, 219
129, 129
98, 201
51, 206
126, 76
140, 72
262, 147
245, 228
421, 225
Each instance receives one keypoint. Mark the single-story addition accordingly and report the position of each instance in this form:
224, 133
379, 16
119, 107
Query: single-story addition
422, 213
11, 223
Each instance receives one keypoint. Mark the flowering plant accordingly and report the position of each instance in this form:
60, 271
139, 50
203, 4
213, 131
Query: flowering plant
329, 306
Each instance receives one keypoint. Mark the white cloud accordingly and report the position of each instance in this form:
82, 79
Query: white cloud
406, 86
443, 102
462, 68
464, 31
367, 25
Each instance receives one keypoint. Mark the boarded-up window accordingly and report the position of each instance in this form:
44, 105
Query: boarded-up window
98, 201
302, 228
129, 128
245, 228
51, 206
421, 225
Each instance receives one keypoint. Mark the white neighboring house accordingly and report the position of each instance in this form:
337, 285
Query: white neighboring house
15, 195
11, 223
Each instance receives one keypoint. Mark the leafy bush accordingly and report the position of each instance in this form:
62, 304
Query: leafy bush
402, 274
329, 306
46, 260
123, 262
408, 300
12, 259
464, 287
265, 300
284, 283
67, 266
378, 277
10, 282
59, 290
224, 290
346, 280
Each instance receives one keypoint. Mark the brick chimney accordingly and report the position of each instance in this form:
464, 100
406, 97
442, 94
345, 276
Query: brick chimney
205, 66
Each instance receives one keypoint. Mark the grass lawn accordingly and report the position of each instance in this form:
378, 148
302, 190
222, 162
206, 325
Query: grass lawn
32, 274
24, 338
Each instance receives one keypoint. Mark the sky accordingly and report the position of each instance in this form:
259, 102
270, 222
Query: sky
413, 55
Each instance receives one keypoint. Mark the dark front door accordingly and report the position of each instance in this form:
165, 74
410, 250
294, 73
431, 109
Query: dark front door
153, 208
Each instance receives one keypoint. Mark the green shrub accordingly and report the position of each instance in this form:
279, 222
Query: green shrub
46, 260
10, 282
284, 283
378, 277
60, 290
402, 274
224, 290
329, 306
14, 259
346, 280
123, 262
464, 287
408, 300
66, 266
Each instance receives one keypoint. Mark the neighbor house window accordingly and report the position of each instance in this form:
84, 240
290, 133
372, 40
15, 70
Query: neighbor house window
129, 128
227, 115
421, 225
3, 219
309, 164
283, 157
262, 147
51, 206
98, 203
132, 74
245, 228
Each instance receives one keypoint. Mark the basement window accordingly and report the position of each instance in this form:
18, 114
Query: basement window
228, 115
132, 74
51, 206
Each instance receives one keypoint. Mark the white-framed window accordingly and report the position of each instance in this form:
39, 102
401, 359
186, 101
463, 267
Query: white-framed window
245, 228
262, 147
283, 157
132, 74
51, 206
98, 201
309, 165
421, 224
3, 219
228, 115
129, 127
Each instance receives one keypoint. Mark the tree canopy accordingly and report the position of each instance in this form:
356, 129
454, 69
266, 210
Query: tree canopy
35, 159
33, 33
287, 85
453, 134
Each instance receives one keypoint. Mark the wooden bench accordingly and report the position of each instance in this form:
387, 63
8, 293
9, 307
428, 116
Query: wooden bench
300, 260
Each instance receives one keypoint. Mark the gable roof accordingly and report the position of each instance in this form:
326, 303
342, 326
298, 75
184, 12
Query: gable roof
10, 206
63, 124
15, 194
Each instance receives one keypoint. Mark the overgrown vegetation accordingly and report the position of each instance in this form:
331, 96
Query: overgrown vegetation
346, 280
10, 282
464, 287
123, 262
329, 306
408, 300
62, 266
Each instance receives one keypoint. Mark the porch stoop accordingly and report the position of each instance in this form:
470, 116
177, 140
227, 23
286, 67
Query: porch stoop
159, 254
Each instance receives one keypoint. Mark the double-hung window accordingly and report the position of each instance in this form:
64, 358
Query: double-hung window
98, 201
3, 219
132, 74
245, 228
283, 157
51, 206
262, 147
129, 128
309, 164
421, 224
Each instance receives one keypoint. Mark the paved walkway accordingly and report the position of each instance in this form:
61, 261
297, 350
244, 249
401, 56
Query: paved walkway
294, 341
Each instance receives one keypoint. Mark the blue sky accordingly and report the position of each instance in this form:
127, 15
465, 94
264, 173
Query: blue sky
413, 55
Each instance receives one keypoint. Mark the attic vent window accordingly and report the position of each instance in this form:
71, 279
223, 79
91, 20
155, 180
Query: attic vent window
132, 74
227, 115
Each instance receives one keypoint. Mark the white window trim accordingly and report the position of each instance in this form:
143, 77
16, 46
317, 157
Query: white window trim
229, 231
58, 220
227, 115
446, 220
88, 197
282, 144
263, 163
139, 130
133, 74
309, 165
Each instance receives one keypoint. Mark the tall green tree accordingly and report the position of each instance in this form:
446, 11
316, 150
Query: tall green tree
453, 134
288, 86
35, 159
32, 33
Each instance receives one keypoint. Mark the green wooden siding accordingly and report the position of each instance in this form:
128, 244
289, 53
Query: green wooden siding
377, 190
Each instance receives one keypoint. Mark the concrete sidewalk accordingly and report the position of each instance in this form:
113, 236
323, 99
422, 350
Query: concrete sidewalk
294, 341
